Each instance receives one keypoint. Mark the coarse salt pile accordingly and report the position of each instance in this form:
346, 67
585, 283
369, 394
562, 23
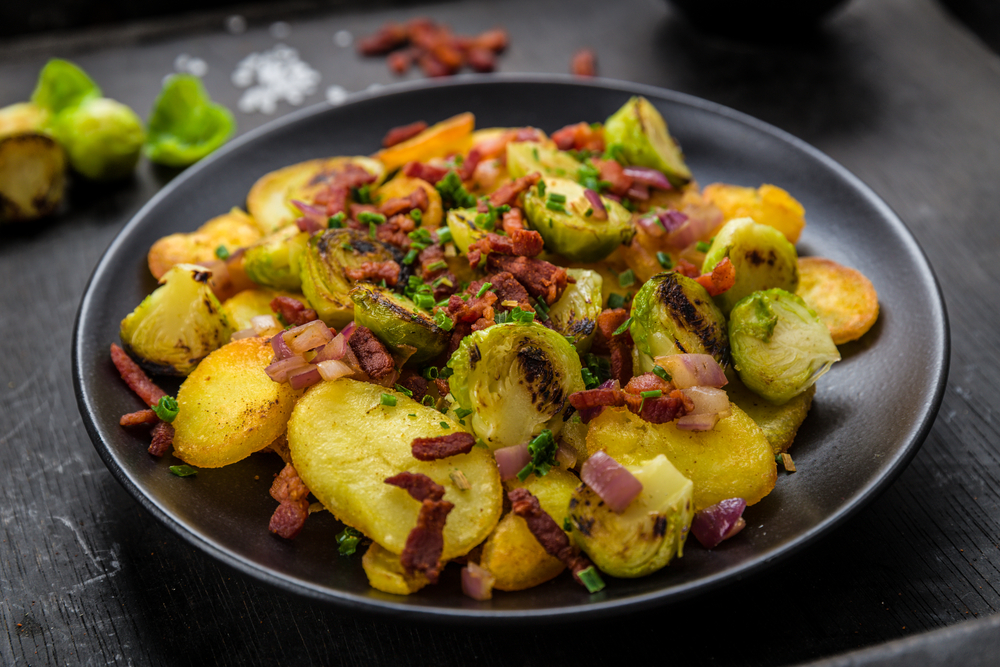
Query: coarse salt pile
271, 76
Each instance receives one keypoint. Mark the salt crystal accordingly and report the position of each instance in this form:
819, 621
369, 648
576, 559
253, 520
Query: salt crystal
336, 94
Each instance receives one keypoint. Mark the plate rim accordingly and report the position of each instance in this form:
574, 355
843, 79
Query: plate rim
347, 601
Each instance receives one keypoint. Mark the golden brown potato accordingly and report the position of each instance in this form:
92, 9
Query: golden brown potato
768, 205
448, 136
269, 201
252, 302
733, 460
345, 443
779, 423
386, 574
234, 230
229, 408
844, 298
515, 558
402, 186
32, 176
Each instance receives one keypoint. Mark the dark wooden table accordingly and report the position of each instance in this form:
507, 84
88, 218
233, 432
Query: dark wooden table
896, 90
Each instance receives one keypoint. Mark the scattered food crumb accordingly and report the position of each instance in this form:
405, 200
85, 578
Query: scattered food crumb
279, 74
236, 25
584, 63
189, 65
336, 94
433, 47
280, 30
343, 38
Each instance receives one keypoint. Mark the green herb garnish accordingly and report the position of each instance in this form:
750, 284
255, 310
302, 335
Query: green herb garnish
453, 192
347, 541
222, 252
623, 328
362, 195
543, 455
183, 471
442, 320
664, 260
483, 290
166, 409
626, 278
336, 220
389, 399
591, 579
661, 373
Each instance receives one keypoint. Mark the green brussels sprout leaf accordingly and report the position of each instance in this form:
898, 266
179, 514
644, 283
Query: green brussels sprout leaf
185, 125
62, 85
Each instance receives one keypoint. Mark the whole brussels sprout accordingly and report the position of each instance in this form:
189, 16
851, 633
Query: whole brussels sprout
673, 314
779, 345
644, 537
516, 378
177, 325
397, 321
560, 211
640, 131
761, 255
575, 313
324, 282
102, 138
525, 157
275, 260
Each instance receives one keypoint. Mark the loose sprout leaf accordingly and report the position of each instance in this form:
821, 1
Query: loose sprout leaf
185, 125
62, 85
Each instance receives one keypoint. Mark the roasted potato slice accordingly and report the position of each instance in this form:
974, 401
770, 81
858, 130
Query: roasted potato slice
229, 408
844, 298
252, 302
448, 136
779, 423
269, 201
345, 443
402, 186
733, 460
386, 574
234, 230
768, 205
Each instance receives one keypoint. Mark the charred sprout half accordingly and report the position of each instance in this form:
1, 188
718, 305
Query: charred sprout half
526, 157
575, 313
398, 322
641, 133
516, 378
275, 260
32, 164
779, 346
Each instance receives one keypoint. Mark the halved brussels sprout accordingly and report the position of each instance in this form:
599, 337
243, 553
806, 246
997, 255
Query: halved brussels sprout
565, 218
645, 141
324, 282
32, 175
275, 260
761, 255
673, 314
397, 321
185, 125
516, 378
462, 224
779, 345
643, 538
575, 313
177, 325
525, 157
779, 423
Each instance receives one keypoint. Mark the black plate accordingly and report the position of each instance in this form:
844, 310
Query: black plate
870, 415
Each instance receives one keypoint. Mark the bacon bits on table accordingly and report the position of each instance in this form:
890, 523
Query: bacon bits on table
442, 446
584, 63
434, 48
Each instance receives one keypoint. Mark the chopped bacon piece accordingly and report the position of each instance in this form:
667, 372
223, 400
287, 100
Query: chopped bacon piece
396, 230
469, 164
661, 409
433, 67
613, 173
508, 192
427, 172
580, 136
493, 40
584, 63
521, 243
400, 61
597, 398
372, 355
720, 279
375, 271
620, 345
291, 492
288, 486
163, 439
506, 287
471, 310
390, 36
334, 198
442, 386
292, 311
414, 383
142, 417
461, 330
548, 533
337, 184
686, 268
442, 446
418, 485
416, 199
398, 135
513, 220
481, 60
539, 277
425, 542
482, 323
135, 377
647, 382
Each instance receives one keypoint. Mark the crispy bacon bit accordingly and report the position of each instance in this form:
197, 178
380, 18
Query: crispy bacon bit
481, 60
398, 135
469, 164
461, 330
597, 398
442, 446
513, 220
419, 486
288, 486
292, 311
400, 61
438, 51
425, 542
427, 172
482, 323
580, 136
395, 231
375, 271
414, 383
290, 491
584, 63
471, 310
547, 531
613, 173
142, 417
661, 409
539, 277
416, 199
135, 377
442, 385
493, 40
508, 192
521, 243
620, 345
686, 268
389, 37
163, 439
336, 192
721, 278
372, 355
647, 382
506, 287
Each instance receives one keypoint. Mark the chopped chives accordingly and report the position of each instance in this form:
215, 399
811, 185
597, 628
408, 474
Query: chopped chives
440, 264
403, 390
623, 328
336, 221
664, 260
616, 301
389, 399
411, 257
702, 246
555, 206
417, 216
483, 290
541, 188
166, 409
370, 217
183, 471
661, 373
626, 278
444, 235
557, 197
222, 252
444, 425
591, 579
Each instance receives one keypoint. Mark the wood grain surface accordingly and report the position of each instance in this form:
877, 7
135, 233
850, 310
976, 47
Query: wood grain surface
896, 90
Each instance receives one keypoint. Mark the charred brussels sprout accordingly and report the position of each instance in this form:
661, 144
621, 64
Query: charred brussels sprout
275, 260
464, 231
673, 314
779, 346
324, 282
575, 313
525, 157
397, 321
651, 530
516, 378
177, 325
640, 131
566, 219
761, 255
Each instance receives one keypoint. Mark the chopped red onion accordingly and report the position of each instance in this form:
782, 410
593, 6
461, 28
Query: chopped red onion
610, 384
708, 401
307, 336
308, 225
333, 369
304, 377
648, 176
719, 522
693, 370
309, 210
264, 323
587, 414
242, 333
334, 350
280, 347
610, 480
613, 197
280, 370
349, 329
651, 225
477, 582
511, 460
639, 191
697, 422
700, 223
566, 457
600, 213
672, 219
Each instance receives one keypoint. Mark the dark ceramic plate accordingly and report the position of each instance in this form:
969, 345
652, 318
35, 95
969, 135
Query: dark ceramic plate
870, 415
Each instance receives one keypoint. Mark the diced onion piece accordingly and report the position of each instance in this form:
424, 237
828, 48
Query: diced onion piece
279, 370
349, 329
307, 337
651, 225
638, 191
699, 223
610, 480
511, 460
304, 377
477, 582
307, 224
594, 199
333, 369
264, 324
719, 522
708, 401
334, 350
243, 333
648, 176
566, 457
693, 370
697, 422
280, 347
